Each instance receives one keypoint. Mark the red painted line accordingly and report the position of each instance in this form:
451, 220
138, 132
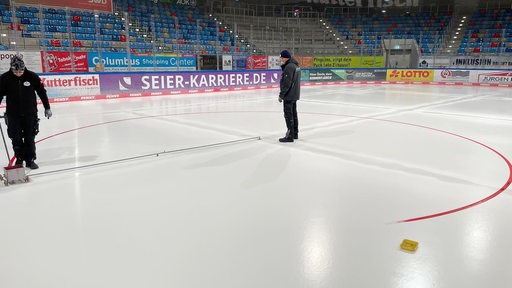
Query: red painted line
498, 192
425, 217
443, 213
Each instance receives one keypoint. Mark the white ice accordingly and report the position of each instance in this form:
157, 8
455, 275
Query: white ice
224, 204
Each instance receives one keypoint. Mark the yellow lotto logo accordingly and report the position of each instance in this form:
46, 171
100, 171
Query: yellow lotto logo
410, 75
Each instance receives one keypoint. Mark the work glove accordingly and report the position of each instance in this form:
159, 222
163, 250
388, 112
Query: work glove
47, 113
279, 99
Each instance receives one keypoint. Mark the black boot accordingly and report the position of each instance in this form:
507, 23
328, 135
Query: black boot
19, 162
32, 165
287, 138
295, 127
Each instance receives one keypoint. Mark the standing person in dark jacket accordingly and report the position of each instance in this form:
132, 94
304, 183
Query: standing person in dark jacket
289, 94
20, 86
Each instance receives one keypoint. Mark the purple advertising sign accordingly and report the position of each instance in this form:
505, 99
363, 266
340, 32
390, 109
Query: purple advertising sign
115, 83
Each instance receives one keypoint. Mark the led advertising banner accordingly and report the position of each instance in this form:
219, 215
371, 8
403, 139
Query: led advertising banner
434, 62
117, 83
274, 62
100, 5
208, 62
112, 62
32, 60
239, 62
348, 62
305, 61
452, 75
71, 85
60, 62
93, 86
227, 62
328, 75
503, 77
410, 75
481, 61
370, 62
257, 62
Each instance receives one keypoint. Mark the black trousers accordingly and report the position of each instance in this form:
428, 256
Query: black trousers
22, 131
290, 116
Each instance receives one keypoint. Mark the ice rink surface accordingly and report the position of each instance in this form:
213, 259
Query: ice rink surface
195, 191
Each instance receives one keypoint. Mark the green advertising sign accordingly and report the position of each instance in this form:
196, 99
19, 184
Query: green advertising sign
348, 62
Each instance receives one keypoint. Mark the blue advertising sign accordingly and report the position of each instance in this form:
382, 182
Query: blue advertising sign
239, 62
111, 62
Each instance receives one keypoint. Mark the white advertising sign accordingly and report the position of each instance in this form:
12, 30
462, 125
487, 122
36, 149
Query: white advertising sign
227, 62
274, 62
65, 85
452, 75
491, 77
32, 60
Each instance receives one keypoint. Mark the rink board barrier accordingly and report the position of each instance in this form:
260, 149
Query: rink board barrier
178, 92
98, 86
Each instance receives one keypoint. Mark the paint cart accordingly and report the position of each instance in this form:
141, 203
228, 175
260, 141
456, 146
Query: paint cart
13, 174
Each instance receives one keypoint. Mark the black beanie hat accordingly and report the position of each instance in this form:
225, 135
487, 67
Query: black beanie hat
285, 54
17, 63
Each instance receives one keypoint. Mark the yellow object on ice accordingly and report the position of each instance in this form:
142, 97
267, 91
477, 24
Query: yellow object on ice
409, 245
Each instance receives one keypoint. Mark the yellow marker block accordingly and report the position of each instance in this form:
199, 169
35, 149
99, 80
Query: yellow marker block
409, 245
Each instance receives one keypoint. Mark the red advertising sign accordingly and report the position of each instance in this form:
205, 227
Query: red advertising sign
57, 62
305, 61
257, 62
100, 5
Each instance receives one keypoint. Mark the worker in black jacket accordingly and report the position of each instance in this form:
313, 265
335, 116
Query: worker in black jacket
20, 85
289, 94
